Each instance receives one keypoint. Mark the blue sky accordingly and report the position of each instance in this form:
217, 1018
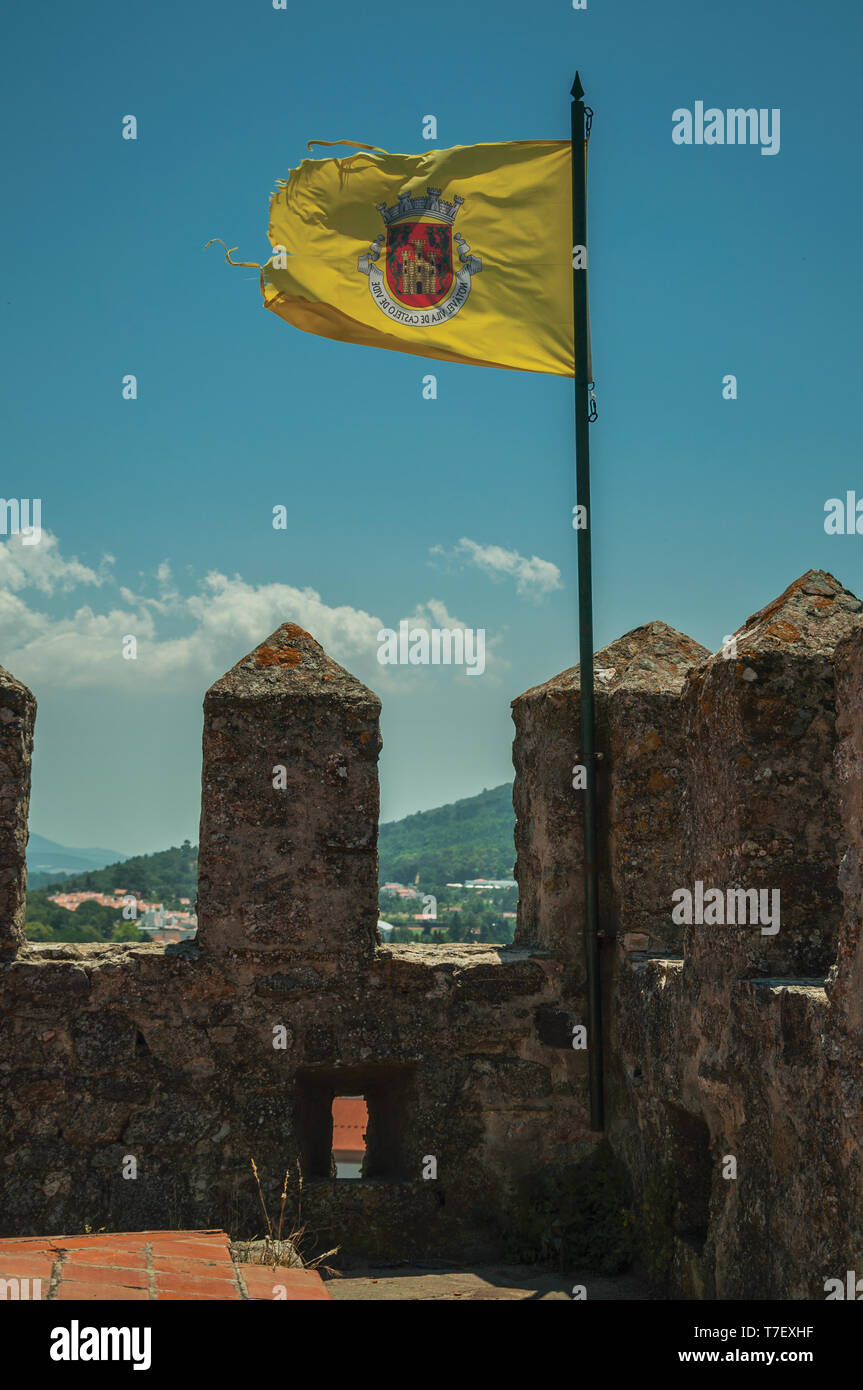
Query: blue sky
704, 261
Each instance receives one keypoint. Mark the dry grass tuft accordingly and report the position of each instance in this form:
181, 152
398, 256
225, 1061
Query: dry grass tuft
277, 1250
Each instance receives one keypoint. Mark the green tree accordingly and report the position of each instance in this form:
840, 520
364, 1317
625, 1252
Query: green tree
102, 919
165, 877
38, 931
127, 931
454, 842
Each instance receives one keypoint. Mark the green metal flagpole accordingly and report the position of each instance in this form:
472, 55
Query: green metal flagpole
585, 604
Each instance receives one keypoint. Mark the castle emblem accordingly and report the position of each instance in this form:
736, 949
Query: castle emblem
417, 284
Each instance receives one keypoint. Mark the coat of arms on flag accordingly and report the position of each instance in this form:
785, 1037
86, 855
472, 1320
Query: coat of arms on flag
417, 284
369, 249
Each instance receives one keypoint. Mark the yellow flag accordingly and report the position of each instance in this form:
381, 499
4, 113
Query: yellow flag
462, 254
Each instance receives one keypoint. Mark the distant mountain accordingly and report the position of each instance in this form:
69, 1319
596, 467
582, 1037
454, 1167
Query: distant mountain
47, 860
472, 838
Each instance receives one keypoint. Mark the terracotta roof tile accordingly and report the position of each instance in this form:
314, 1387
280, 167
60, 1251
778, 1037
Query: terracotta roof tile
148, 1265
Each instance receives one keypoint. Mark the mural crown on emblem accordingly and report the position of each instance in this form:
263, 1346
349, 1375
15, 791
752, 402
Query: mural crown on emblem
432, 205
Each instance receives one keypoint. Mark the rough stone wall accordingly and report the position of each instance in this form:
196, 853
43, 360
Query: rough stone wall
638, 681
289, 806
741, 1048
167, 1054
764, 809
115, 1051
549, 820
17, 715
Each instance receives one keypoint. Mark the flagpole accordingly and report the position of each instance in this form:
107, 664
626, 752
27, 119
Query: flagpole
585, 607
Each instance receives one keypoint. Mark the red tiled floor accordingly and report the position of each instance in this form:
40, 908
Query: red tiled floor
177, 1265
95, 1274
188, 1238
92, 1293
299, 1284
205, 1269
186, 1297
281, 1274
21, 1247
190, 1283
218, 1238
191, 1251
110, 1257
35, 1266
289, 1293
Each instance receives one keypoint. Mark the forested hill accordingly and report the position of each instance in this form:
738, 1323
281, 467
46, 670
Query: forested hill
166, 876
472, 838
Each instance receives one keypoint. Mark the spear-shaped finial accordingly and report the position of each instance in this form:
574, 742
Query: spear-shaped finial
577, 89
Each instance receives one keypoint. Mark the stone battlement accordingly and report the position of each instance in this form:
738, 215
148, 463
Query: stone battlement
739, 770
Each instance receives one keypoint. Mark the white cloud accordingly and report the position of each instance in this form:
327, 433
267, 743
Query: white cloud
184, 641
220, 622
434, 614
534, 577
229, 618
42, 567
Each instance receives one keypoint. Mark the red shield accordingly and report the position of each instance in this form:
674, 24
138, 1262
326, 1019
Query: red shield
419, 262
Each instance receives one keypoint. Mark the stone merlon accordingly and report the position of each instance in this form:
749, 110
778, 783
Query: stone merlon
17, 717
289, 804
